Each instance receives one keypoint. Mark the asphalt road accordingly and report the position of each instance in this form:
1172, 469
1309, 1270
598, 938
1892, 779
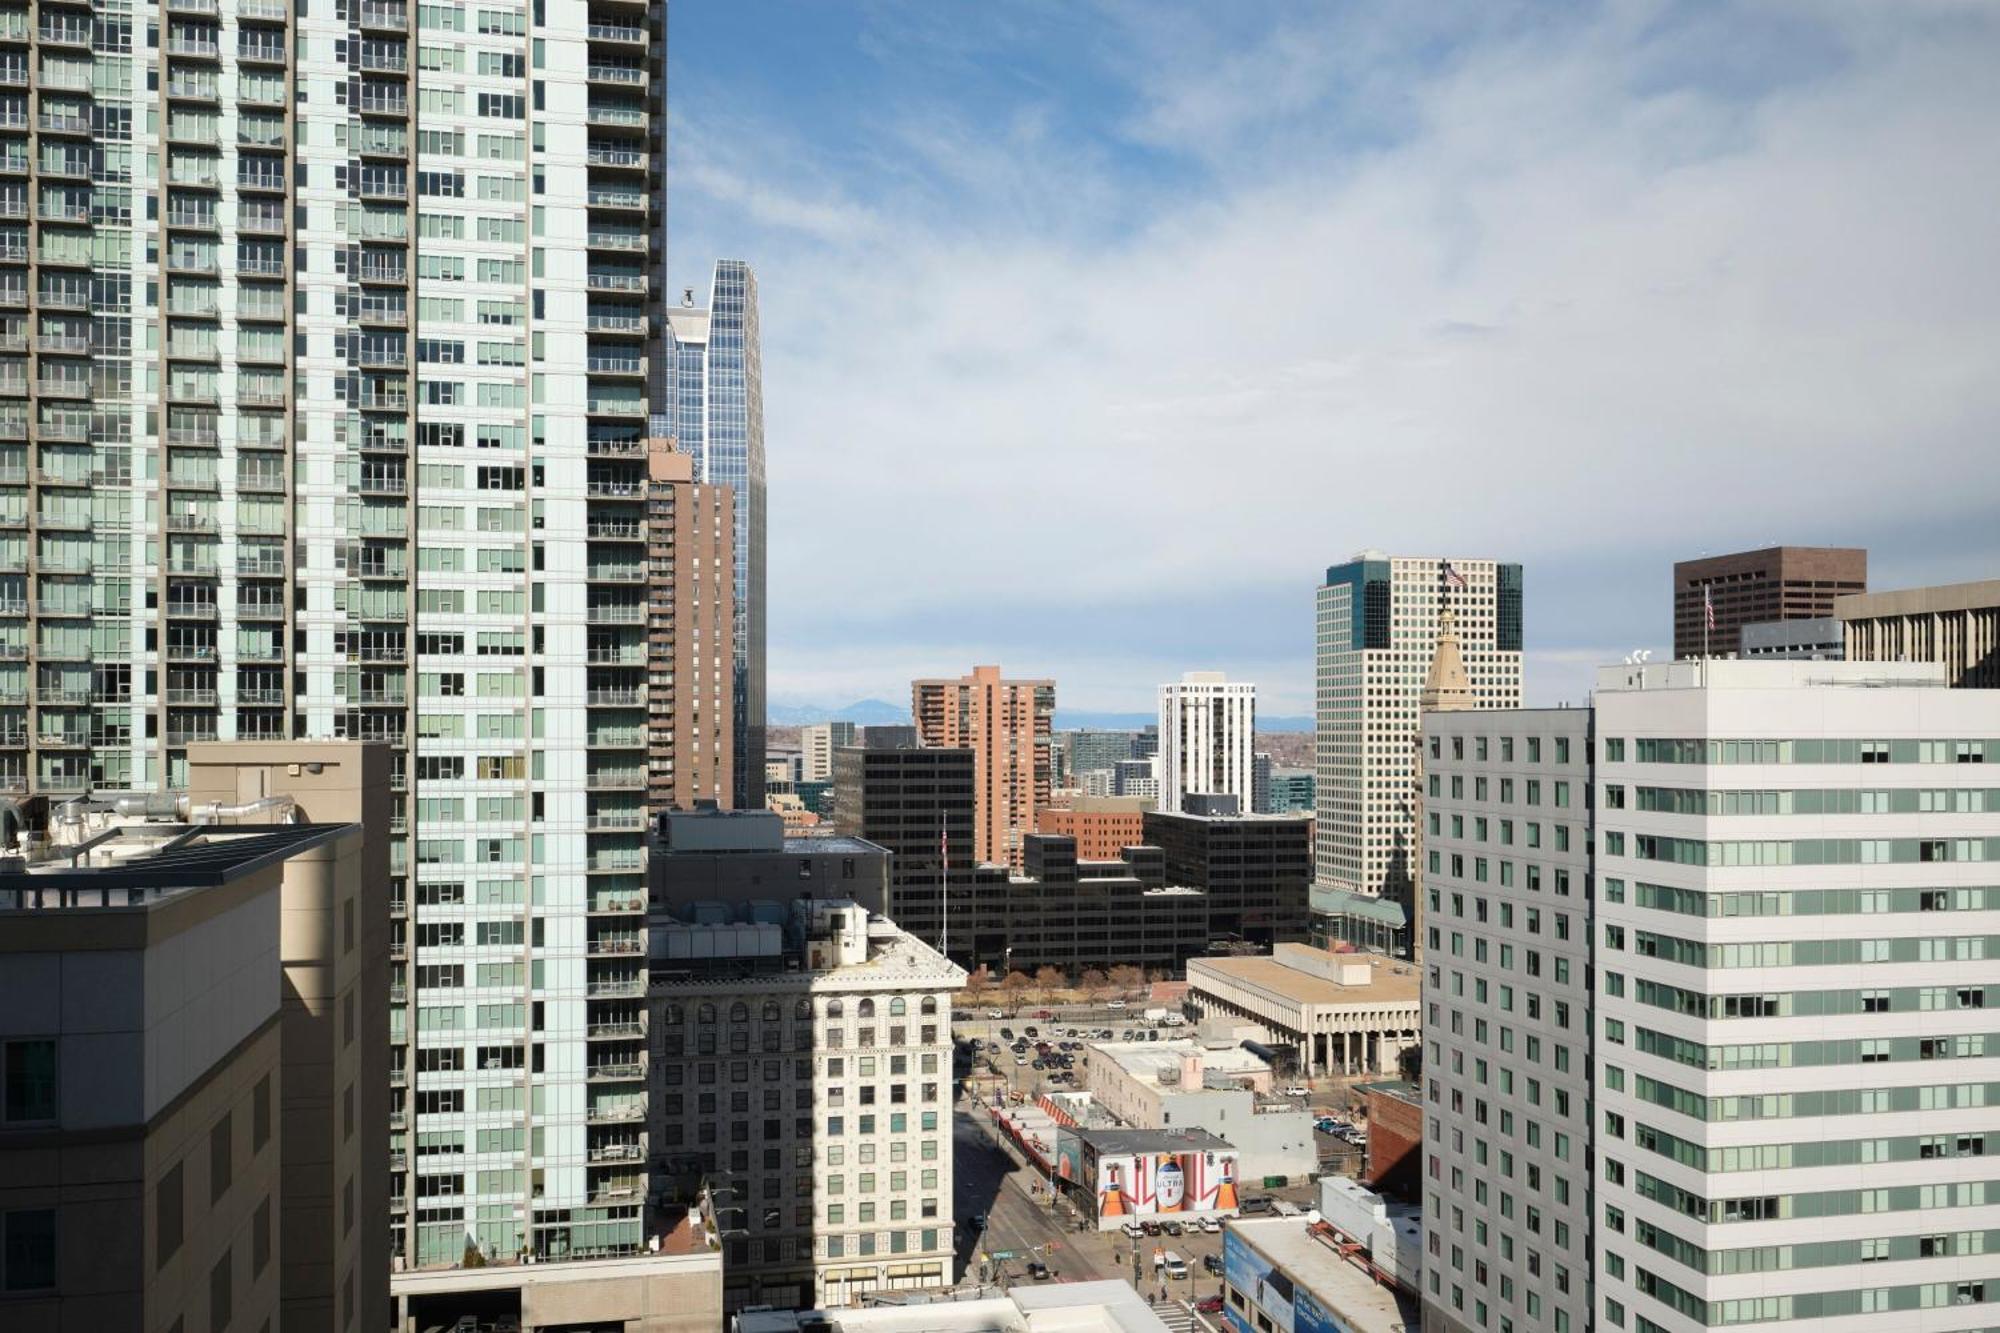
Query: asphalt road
989, 1179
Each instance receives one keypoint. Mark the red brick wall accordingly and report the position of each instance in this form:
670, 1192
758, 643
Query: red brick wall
1395, 1136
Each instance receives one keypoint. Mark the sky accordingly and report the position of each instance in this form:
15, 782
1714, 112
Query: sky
1094, 332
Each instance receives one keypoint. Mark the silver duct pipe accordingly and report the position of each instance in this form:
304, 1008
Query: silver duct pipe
213, 811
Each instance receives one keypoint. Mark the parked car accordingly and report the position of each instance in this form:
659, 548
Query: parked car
1212, 1263
1006, 1034
1133, 1230
1031, 1031
1152, 1227
1115, 1004
1020, 1059
1154, 1035
1211, 1226
1211, 1304
1256, 1203
995, 1013
1038, 1271
1172, 1227
1045, 1013
1298, 1090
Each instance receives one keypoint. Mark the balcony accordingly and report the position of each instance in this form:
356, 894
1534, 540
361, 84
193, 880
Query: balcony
622, 34
613, 904
616, 615
610, 488
617, 74
632, 200
630, 284
618, 779
620, 1071
616, 157
623, 1113
385, 15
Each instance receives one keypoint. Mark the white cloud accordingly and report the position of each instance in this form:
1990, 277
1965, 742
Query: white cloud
1573, 303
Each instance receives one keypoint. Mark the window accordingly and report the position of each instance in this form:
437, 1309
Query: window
28, 1259
219, 1165
169, 1220
30, 1081
260, 1114
221, 1296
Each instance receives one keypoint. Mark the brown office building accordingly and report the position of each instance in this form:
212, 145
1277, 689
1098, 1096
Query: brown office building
1006, 725
194, 1041
1778, 583
689, 609
1957, 624
1103, 826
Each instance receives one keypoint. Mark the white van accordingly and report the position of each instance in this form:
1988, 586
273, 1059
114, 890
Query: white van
1176, 1266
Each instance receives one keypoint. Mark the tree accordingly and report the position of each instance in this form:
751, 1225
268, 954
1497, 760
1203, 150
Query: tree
1049, 980
1014, 985
1127, 977
1094, 980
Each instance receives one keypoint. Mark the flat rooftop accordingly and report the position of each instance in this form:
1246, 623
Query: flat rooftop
1063, 1307
1391, 980
833, 846
1347, 1293
137, 863
1151, 1059
1765, 673
1117, 1141
1933, 600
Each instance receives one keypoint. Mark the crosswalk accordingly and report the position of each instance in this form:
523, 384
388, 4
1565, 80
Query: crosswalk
1181, 1319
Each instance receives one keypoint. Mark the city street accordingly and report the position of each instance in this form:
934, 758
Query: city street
989, 1179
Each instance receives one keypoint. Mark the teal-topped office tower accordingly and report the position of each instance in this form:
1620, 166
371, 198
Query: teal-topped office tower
1376, 632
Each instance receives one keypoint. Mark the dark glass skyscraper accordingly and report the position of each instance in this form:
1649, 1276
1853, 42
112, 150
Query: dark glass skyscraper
717, 400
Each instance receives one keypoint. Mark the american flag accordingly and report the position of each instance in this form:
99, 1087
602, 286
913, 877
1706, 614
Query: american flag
1707, 609
1452, 577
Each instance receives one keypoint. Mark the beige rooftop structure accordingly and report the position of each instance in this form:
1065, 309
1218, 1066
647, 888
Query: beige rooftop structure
1345, 1013
1956, 625
1343, 1292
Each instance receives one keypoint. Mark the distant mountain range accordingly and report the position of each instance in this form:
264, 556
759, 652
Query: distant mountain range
876, 713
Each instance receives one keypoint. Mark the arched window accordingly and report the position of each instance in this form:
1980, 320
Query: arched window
705, 1014
929, 1006
896, 1007
835, 1009
676, 1014
803, 1011
772, 1013
867, 1009
739, 1012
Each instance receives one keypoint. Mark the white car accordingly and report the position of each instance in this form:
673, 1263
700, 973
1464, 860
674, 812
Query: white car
994, 1013
1210, 1225
1115, 1004
1297, 1091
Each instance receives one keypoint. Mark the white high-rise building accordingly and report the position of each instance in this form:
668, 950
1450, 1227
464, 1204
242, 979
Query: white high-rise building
817, 742
1798, 917
1378, 622
1208, 733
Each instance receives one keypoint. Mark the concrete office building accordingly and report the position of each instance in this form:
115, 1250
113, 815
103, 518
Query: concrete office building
193, 1040
1005, 723
1103, 826
1820, 639
1507, 1019
712, 376
916, 803
1338, 1013
1776, 583
744, 856
1208, 731
819, 740
1093, 751
1956, 625
802, 1092
1281, 1273
1794, 987
1256, 870
689, 610
1138, 778
1378, 624
1219, 1087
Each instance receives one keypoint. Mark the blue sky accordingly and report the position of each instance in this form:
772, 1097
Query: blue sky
1094, 332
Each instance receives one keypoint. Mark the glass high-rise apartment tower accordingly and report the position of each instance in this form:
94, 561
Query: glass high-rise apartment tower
716, 402
324, 344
